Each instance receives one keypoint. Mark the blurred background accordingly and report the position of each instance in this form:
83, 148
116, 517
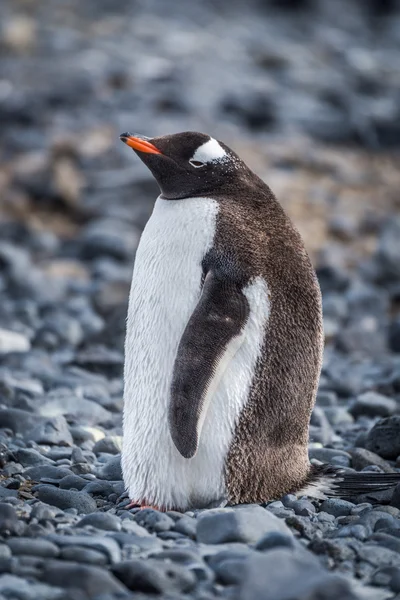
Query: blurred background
306, 91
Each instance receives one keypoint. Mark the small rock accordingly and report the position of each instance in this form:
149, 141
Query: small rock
275, 539
109, 445
100, 543
67, 499
239, 525
83, 555
99, 520
337, 507
111, 470
384, 438
361, 458
372, 404
155, 577
24, 545
153, 520
46, 472
11, 341
72, 481
265, 578
9, 524
92, 581
28, 457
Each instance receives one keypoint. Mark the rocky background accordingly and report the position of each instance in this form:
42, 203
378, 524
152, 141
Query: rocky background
308, 92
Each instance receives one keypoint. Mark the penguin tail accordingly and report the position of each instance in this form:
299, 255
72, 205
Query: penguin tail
325, 481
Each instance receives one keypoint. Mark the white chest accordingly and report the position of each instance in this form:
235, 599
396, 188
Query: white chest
165, 289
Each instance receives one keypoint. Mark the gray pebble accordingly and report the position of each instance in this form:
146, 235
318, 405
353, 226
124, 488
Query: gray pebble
274, 539
39, 547
90, 580
109, 445
111, 470
372, 404
153, 520
384, 438
28, 457
81, 554
240, 525
361, 458
337, 507
155, 577
72, 481
187, 526
101, 520
46, 472
104, 544
65, 499
9, 523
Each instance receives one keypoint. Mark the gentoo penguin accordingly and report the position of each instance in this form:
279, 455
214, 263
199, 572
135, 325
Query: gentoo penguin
224, 340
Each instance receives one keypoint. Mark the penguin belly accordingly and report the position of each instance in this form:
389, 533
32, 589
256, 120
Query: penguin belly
166, 287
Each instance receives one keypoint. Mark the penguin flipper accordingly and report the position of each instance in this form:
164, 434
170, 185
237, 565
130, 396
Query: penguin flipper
209, 341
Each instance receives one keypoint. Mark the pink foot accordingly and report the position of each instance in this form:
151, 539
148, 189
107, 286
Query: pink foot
141, 505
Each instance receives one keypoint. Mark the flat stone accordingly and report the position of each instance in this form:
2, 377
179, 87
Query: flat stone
361, 458
372, 404
104, 544
337, 507
67, 499
240, 525
264, 577
11, 341
28, 457
90, 580
46, 472
81, 554
384, 438
12, 586
111, 470
40, 547
155, 577
109, 444
153, 520
72, 481
101, 520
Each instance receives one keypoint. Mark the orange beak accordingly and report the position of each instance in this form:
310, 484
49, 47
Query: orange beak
139, 144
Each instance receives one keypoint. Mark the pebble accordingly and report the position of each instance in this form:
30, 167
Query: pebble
372, 404
11, 341
361, 458
111, 470
265, 578
153, 520
384, 438
65, 499
337, 507
90, 580
240, 525
155, 577
106, 545
23, 545
104, 521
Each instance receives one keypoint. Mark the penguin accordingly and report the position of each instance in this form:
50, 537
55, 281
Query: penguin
224, 340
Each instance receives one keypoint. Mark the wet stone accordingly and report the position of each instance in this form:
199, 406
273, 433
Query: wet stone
155, 577
65, 499
153, 520
240, 525
42, 548
337, 507
100, 520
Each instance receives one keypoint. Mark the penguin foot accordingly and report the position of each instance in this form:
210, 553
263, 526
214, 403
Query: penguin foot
142, 506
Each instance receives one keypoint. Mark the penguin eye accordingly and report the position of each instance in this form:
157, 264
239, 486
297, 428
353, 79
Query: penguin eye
197, 164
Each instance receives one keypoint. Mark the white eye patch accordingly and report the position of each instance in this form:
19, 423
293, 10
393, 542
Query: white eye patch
208, 152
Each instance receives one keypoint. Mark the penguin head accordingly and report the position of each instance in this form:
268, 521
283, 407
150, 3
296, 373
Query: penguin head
187, 164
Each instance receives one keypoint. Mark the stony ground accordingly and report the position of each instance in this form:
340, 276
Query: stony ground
309, 96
